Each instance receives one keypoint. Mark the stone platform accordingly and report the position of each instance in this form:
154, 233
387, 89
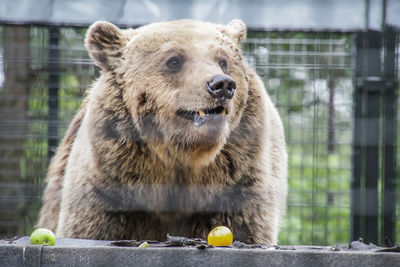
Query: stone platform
184, 252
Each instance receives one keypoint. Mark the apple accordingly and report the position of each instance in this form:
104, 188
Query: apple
220, 236
43, 236
144, 245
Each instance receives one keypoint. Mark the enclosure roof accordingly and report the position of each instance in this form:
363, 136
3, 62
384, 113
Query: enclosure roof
263, 14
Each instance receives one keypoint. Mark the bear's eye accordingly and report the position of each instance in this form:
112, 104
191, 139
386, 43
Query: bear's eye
175, 63
223, 64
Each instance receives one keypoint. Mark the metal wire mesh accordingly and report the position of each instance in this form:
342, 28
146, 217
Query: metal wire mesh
24, 113
308, 75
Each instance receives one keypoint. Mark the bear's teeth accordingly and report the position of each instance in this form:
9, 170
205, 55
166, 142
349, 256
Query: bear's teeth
223, 112
201, 112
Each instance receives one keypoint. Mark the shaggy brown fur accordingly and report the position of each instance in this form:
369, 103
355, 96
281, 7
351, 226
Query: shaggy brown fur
55, 174
131, 167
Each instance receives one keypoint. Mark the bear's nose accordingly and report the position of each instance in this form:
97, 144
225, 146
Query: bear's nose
221, 87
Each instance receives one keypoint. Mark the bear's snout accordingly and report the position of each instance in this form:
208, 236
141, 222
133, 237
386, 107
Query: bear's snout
221, 87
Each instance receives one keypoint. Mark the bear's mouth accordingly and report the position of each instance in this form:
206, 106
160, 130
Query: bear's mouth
202, 116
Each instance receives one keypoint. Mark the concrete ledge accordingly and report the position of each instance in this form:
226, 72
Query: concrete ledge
74, 252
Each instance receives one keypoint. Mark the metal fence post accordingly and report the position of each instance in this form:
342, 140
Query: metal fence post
365, 208
374, 137
54, 68
389, 137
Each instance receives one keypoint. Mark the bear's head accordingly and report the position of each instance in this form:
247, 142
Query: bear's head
184, 83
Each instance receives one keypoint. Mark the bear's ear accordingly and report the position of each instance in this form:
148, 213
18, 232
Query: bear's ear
237, 30
104, 41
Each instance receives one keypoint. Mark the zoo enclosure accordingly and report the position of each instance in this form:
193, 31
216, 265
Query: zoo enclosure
336, 92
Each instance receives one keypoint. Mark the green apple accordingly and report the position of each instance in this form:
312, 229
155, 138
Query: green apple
43, 236
144, 245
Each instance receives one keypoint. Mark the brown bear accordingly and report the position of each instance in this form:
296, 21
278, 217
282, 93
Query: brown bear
177, 136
